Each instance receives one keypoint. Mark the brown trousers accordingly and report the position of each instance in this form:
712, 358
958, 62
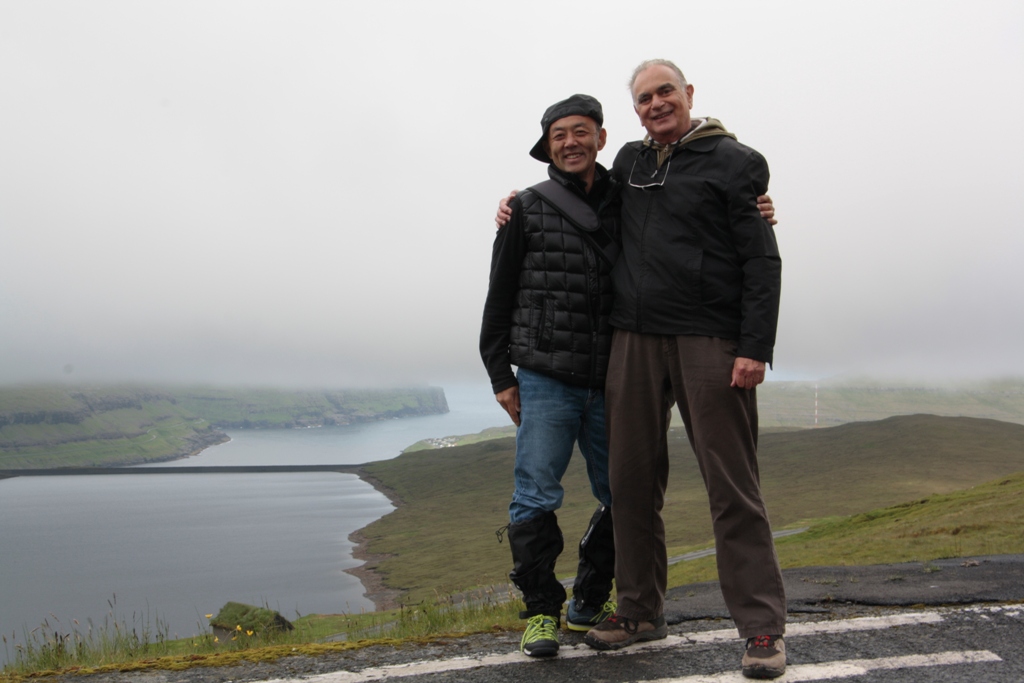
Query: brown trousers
646, 374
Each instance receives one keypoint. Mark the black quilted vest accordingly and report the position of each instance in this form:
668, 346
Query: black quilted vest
560, 323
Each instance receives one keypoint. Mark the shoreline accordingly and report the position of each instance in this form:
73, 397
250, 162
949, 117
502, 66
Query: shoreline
376, 590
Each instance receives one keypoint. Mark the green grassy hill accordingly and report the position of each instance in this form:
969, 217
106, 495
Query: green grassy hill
442, 538
987, 519
49, 426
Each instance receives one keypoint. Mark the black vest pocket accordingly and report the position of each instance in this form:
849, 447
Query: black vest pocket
545, 328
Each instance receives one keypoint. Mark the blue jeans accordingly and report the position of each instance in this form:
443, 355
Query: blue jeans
553, 417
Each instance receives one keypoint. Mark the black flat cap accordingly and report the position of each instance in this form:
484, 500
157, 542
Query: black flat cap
577, 105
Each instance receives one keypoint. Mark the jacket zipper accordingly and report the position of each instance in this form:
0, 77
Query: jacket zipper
587, 260
643, 264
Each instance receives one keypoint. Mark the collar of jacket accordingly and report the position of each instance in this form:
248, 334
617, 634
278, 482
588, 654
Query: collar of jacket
705, 138
707, 128
603, 181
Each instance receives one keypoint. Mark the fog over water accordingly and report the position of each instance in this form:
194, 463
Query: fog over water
302, 193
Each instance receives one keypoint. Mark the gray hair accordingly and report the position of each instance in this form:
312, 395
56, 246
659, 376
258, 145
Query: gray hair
648, 63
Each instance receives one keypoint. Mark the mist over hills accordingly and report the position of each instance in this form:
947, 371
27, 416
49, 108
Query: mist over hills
837, 401
48, 426
95, 425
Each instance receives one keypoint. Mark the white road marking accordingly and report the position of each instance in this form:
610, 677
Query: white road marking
862, 624
850, 668
577, 651
1008, 610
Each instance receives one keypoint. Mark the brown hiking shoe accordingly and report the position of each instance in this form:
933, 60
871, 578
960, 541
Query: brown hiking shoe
617, 631
765, 657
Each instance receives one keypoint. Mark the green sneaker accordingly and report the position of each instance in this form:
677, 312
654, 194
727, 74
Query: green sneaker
541, 637
587, 618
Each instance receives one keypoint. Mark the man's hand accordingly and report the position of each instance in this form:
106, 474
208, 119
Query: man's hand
505, 212
509, 400
747, 373
765, 206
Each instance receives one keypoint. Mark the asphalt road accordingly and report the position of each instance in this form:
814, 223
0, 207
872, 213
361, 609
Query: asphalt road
950, 620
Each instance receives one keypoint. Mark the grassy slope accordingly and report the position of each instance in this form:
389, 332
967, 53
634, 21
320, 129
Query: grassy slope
463, 439
140, 441
987, 519
455, 498
52, 427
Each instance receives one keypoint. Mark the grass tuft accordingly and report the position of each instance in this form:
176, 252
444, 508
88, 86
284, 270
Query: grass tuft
53, 649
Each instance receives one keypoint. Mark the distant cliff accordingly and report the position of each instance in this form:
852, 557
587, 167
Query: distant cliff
270, 408
48, 426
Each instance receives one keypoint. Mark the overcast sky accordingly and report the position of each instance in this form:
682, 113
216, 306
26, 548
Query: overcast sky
303, 192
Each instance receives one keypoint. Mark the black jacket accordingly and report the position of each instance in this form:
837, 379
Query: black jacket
550, 292
697, 258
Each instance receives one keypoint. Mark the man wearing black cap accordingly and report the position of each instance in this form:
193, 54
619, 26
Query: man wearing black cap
547, 313
638, 616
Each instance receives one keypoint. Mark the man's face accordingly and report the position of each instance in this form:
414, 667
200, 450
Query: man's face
662, 103
573, 143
